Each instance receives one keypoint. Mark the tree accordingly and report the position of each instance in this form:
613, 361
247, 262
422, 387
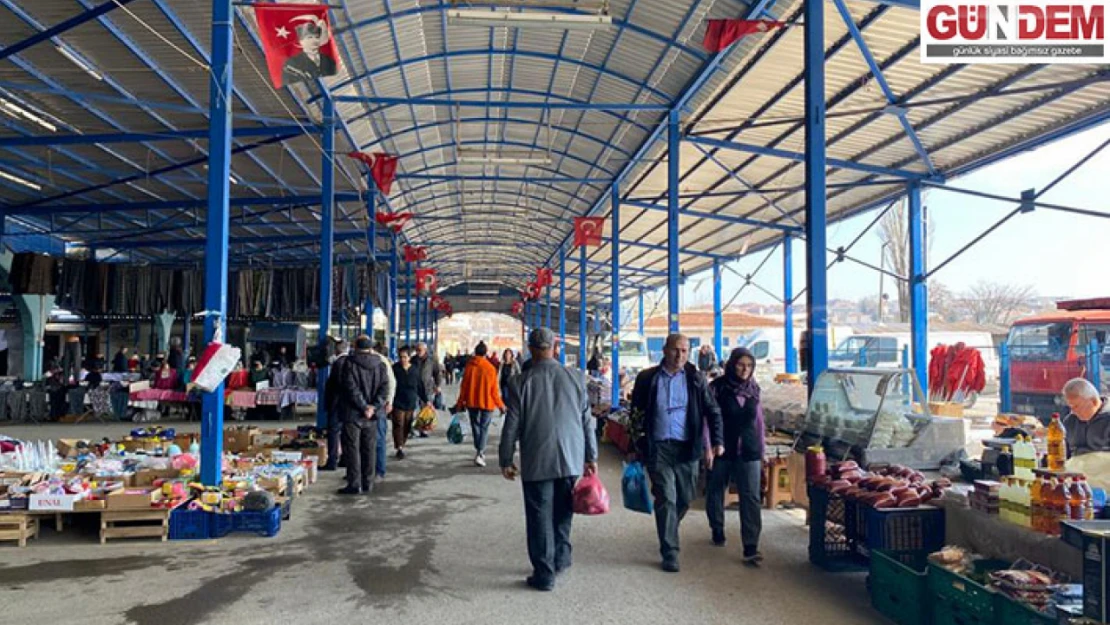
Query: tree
943, 302
996, 303
895, 234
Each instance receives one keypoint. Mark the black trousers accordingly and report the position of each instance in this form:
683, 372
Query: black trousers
359, 440
548, 512
335, 426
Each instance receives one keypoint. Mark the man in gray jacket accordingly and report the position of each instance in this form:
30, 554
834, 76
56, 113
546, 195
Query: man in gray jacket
549, 415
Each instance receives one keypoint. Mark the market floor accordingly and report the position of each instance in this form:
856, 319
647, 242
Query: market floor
439, 541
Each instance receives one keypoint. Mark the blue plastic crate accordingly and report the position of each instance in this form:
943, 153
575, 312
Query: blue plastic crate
190, 524
907, 535
264, 523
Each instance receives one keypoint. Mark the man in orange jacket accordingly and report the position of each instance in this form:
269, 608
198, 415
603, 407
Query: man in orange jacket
480, 395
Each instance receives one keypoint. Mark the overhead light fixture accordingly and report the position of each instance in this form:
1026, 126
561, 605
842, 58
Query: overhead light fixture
529, 19
503, 157
17, 111
21, 181
79, 61
482, 301
493, 292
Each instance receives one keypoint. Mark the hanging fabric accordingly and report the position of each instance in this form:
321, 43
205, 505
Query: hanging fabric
297, 41
721, 34
588, 231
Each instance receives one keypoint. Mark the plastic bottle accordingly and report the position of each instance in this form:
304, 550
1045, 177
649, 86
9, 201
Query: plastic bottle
1005, 462
1057, 444
1089, 498
1026, 492
1057, 507
1077, 501
1025, 457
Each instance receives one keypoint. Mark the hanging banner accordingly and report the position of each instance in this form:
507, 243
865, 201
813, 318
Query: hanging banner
518, 308
394, 221
297, 41
544, 277
384, 170
414, 254
437, 302
533, 291
588, 231
426, 281
721, 34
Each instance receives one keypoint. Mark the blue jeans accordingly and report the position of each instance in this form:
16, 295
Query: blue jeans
379, 457
479, 428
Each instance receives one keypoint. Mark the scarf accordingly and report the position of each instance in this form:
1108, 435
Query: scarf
732, 383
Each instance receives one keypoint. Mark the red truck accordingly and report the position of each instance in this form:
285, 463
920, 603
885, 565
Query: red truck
1049, 349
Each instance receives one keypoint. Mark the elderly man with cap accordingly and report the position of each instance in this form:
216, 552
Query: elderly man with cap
1088, 425
549, 415
363, 398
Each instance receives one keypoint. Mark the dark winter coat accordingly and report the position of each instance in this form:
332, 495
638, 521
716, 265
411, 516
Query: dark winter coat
365, 384
701, 410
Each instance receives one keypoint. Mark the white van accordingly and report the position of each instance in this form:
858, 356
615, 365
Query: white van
633, 351
769, 347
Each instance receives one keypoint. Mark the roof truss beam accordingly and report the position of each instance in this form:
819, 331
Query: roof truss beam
800, 157
133, 137
61, 27
544, 106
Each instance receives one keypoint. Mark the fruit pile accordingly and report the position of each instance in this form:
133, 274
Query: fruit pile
893, 486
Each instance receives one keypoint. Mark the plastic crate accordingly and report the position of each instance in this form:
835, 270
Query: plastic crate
1009, 611
263, 523
965, 598
829, 545
908, 535
190, 524
946, 612
1071, 532
900, 592
855, 521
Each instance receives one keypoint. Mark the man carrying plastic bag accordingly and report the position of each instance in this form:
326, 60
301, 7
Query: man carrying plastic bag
548, 413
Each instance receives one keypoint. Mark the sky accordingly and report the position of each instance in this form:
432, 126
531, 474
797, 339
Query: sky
1055, 253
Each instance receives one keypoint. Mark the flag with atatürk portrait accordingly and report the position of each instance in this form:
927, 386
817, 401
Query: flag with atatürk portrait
297, 41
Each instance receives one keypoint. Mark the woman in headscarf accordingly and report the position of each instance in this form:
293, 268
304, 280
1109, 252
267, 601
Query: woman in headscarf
737, 394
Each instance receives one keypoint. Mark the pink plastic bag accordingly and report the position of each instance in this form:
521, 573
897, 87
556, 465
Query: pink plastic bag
590, 496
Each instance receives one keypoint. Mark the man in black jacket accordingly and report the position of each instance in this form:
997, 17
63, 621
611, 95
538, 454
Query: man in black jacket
677, 410
332, 395
363, 396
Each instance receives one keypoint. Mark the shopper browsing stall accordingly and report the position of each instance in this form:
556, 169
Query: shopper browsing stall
737, 394
1088, 424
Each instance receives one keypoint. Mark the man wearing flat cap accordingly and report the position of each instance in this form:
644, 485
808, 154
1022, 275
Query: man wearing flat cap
549, 415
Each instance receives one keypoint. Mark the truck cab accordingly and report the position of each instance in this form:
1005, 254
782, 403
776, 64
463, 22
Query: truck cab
1048, 350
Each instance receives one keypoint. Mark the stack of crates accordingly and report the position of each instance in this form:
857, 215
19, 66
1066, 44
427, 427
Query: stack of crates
829, 544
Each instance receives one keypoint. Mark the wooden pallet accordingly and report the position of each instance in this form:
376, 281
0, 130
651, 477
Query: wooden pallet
18, 527
139, 524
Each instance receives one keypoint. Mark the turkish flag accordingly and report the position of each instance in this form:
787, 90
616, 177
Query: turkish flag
414, 254
297, 41
384, 170
394, 221
543, 277
588, 231
426, 281
721, 34
518, 308
436, 302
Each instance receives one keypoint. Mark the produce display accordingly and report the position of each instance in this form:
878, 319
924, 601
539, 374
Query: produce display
1025, 583
892, 486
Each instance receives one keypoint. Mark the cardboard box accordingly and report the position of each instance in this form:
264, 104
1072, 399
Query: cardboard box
238, 441
286, 456
87, 505
320, 453
147, 477
141, 444
134, 498
946, 409
67, 447
53, 503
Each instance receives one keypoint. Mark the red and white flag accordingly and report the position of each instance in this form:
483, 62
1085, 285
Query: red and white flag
721, 34
414, 254
518, 309
297, 41
544, 276
384, 170
588, 231
426, 281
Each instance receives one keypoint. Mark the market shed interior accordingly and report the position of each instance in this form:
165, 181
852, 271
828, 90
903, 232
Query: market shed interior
176, 176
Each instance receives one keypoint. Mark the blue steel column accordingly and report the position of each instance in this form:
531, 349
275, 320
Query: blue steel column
547, 310
419, 318
718, 314
583, 331
641, 312
408, 304
371, 252
673, 148
327, 248
216, 230
395, 308
562, 306
919, 289
615, 263
788, 304
816, 209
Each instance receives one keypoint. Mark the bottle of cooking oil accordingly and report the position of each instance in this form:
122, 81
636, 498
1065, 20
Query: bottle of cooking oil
1057, 444
1036, 508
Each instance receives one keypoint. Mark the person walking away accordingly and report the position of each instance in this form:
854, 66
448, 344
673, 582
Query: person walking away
332, 396
410, 394
675, 401
479, 395
707, 359
549, 415
383, 424
363, 400
510, 368
119, 361
431, 376
737, 395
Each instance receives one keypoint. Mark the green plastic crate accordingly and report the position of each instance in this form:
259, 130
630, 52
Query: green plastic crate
966, 598
947, 612
899, 592
1008, 611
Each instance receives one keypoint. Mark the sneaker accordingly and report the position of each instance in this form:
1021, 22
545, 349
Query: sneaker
718, 538
534, 582
480, 460
348, 490
670, 566
378, 479
400, 455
